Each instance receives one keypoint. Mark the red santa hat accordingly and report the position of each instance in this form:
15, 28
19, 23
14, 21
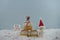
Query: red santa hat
41, 24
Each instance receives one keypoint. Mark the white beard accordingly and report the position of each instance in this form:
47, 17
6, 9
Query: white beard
40, 30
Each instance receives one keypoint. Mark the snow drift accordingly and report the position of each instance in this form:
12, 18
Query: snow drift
49, 34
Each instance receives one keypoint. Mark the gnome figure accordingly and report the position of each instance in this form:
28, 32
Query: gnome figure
41, 28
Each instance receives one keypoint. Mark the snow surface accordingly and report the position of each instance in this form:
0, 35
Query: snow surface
49, 34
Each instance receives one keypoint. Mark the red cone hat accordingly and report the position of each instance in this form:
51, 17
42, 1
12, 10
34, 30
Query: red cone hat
41, 23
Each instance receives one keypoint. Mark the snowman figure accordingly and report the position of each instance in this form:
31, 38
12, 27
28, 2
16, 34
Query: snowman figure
16, 27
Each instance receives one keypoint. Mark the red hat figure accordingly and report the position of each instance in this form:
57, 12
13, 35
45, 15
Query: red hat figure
41, 27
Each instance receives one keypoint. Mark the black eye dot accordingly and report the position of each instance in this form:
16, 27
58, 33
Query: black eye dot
56, 37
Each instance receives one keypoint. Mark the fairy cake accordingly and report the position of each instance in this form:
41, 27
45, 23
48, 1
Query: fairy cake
28, 30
